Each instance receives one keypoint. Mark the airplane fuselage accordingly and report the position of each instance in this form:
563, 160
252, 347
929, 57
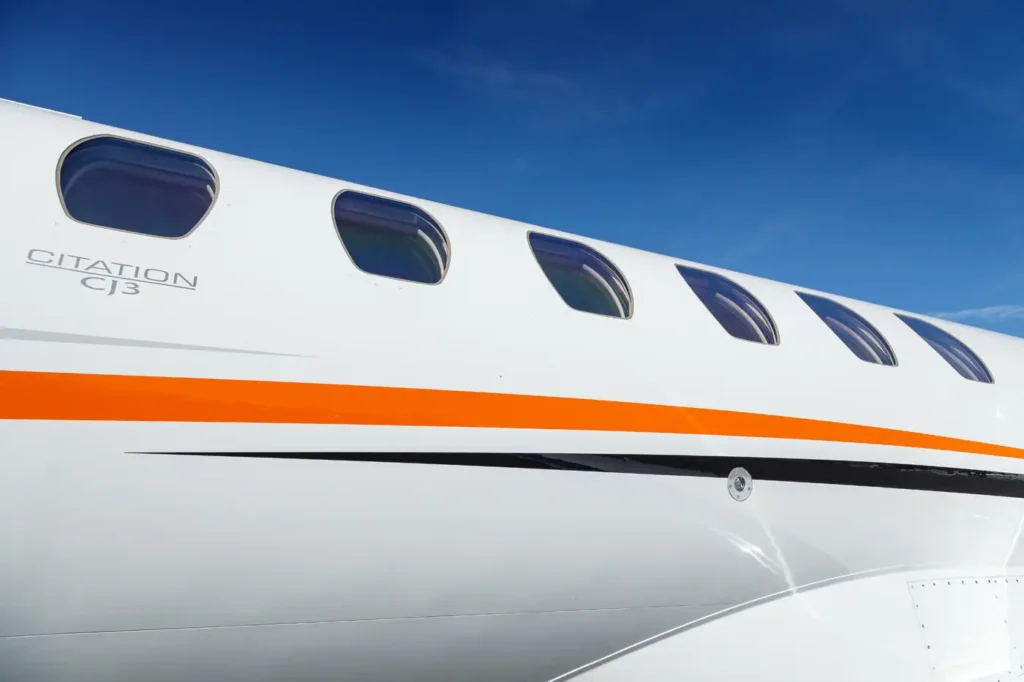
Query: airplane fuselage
238, 454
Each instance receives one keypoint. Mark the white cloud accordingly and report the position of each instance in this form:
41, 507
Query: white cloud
988, 314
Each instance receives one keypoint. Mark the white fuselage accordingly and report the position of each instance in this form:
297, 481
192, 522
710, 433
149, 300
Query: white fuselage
227, 478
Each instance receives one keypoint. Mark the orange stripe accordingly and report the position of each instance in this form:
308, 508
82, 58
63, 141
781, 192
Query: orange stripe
96, 397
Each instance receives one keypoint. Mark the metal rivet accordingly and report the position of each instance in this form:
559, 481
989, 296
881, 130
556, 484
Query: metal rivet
740, 484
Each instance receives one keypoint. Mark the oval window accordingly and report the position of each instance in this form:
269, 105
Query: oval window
734, 307
135, 187
585, 279
391, 238
953, 351
866, 342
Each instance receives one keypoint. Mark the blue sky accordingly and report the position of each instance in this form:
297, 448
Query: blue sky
871, 148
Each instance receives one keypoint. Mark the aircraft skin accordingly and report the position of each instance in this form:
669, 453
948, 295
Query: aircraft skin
267, 464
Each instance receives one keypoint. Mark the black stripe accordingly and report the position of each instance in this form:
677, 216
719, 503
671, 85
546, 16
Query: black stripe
832, 472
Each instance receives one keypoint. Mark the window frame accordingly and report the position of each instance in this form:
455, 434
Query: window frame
144, 143
447, 265
629, 289
678, 267
803, 295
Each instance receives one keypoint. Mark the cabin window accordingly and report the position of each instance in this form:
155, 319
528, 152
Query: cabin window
958, 355
734, 307
135, 187
866, 342
584, 278
391, 238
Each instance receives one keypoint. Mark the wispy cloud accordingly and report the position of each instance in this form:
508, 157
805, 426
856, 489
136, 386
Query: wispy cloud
502, 79
992, 313
559, 97
931, 46
751, 244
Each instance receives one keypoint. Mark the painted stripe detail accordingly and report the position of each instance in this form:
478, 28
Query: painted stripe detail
824, 471
104, 397
40, 336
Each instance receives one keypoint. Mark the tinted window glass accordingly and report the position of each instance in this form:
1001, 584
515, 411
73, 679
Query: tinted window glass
734, 307
136, 187
391, 238
857, 333
584, 278
959, 356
